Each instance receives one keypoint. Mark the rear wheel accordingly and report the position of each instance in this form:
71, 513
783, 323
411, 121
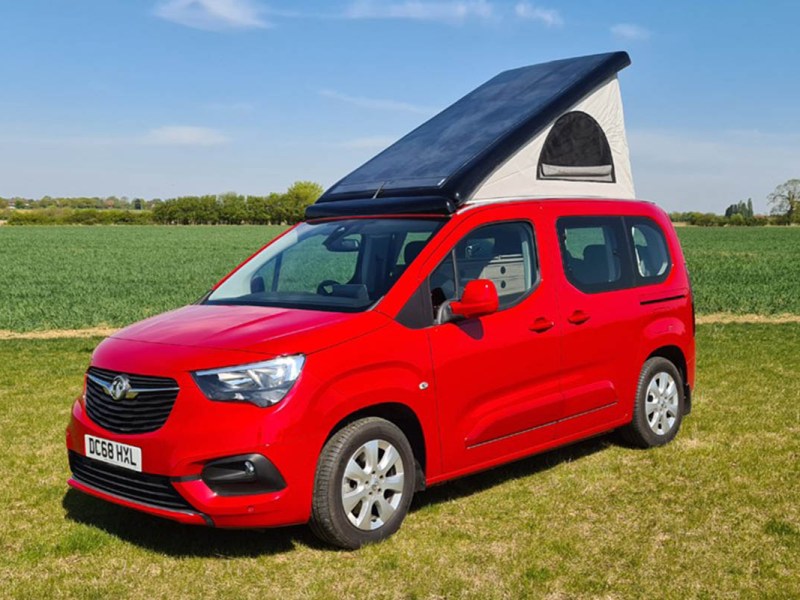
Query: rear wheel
658, 410
364, 484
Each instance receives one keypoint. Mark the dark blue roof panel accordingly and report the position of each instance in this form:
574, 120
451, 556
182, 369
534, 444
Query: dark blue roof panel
453, 152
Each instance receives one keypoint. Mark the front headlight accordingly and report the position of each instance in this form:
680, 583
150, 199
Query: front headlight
262, 384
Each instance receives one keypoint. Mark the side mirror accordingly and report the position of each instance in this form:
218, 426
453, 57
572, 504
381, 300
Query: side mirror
479, 298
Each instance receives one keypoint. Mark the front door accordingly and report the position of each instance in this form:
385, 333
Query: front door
496, 376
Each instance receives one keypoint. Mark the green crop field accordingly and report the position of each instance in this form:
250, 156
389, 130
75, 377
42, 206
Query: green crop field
713, 515
74, 277
752, 270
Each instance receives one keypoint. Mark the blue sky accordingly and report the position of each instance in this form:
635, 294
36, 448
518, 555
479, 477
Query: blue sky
160, 98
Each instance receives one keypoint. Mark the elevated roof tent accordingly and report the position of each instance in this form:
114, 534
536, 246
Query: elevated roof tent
550, 130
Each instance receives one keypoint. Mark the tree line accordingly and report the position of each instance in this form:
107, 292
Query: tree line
784, 204
234, 209
289, 208
230, 209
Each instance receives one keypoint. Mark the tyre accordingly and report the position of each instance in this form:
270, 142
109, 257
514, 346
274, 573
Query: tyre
364, 484
658, 409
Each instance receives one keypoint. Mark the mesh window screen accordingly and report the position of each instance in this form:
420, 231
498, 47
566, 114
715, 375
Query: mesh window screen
576, 149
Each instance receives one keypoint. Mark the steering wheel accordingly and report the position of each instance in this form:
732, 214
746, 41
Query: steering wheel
322, 288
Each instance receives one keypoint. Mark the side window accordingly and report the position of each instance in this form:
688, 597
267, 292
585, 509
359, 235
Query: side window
594, 253
501, 252
650, 253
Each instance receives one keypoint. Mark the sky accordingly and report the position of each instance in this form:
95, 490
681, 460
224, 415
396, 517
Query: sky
159, 98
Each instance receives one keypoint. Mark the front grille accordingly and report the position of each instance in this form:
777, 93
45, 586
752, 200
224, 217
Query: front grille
145, 413
154, 490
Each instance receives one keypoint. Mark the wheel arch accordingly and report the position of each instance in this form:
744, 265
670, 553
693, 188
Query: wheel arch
402, 416
676, 356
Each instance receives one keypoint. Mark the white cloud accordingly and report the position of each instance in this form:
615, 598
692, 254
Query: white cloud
447, 12
547, 16
377, 104
182, 135
630, 32
213, 15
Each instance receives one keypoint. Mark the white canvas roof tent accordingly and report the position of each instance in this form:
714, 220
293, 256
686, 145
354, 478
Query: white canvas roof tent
551, 130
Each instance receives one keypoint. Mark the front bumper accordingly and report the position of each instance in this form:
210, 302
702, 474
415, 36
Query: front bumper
198, 432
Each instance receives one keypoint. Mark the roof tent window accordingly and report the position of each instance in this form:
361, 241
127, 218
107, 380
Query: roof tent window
576, 149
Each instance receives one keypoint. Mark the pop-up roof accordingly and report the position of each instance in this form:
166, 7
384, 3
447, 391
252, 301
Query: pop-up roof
550, 130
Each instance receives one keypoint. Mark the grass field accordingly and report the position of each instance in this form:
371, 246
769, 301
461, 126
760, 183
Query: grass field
752, 270
74, 277
713, 515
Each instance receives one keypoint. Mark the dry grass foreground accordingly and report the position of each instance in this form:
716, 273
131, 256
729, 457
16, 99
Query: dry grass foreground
51, 334
712, 515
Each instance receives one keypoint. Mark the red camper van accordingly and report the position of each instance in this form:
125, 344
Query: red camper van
462, 300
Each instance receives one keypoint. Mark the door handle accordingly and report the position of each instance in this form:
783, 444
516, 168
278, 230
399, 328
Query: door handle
578, 317
541, 325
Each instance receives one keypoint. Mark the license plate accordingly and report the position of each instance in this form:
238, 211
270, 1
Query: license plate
113, 453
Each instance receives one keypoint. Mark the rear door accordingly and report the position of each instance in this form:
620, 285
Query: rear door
599, 310
496, 376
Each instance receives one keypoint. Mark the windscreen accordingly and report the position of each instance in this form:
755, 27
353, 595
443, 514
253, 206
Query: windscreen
343, 265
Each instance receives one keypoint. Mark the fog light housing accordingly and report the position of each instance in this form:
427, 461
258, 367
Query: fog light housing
242, 475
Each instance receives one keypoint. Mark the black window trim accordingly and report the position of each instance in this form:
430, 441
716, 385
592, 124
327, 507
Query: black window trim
635, 279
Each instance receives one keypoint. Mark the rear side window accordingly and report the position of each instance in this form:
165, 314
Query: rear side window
594, 253
650, 254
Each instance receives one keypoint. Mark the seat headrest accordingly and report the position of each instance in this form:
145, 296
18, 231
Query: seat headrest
595, 254
412, 250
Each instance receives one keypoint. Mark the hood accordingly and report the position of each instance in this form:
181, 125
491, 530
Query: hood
264, 330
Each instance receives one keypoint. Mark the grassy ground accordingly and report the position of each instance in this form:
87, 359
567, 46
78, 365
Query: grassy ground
715, 514
74, 277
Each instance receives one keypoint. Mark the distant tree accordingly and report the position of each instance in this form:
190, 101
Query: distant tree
262, 210
233, 209
706, 219
785, 200
745, 209
737, 219
299, 195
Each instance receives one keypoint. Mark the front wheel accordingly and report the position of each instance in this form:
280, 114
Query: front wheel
364, 484
659, 405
